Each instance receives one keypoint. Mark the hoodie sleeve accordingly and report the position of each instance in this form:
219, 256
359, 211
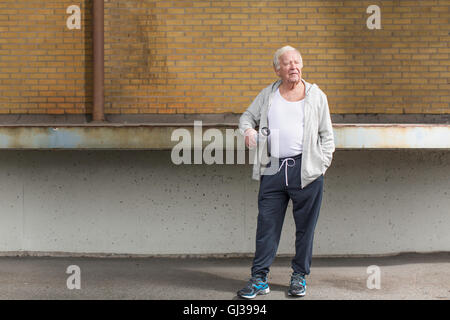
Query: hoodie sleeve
326, 131
250, 118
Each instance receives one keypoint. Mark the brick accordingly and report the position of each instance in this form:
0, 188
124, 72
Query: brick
215, 56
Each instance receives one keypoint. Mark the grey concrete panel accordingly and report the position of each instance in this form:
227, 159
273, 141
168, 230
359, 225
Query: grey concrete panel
11, 201
138, 202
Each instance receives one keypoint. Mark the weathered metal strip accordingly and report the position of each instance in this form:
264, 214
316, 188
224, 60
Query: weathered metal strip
158, 136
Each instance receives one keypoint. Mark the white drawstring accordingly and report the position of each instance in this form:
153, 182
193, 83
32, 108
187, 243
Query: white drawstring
286, 161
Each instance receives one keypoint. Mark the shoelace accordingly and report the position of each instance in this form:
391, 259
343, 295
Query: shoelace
295, 279
286, 161
254, 280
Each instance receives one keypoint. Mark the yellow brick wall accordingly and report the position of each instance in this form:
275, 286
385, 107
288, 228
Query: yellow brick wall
44, 67
214, 56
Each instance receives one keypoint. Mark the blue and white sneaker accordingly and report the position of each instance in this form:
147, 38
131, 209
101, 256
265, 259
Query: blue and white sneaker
255, 286
297, 287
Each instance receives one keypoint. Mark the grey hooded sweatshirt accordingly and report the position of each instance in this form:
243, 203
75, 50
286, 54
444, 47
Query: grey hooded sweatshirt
318, 139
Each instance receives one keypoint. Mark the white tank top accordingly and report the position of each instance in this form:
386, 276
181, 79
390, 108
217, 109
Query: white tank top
286, 122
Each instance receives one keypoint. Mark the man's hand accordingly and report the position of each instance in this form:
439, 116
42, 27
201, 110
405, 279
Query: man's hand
250, 138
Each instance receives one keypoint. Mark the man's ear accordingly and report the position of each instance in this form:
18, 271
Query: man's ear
276, 71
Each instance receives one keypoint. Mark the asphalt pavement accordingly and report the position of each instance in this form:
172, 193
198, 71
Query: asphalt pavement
403, 276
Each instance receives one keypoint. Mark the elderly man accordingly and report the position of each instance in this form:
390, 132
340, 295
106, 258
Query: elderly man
302, 148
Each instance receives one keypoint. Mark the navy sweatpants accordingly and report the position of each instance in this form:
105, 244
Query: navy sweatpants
273, 200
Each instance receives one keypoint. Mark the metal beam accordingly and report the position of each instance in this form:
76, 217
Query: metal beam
99, 73
158, 136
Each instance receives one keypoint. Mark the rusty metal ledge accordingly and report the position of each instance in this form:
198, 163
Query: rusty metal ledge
157, 136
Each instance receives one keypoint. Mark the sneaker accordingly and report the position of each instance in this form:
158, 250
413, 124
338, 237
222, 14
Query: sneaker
256, 285
297, 287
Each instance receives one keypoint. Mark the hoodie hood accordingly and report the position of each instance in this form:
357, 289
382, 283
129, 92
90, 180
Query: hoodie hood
308, 86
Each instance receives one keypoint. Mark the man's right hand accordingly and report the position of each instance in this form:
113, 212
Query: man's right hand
250, 137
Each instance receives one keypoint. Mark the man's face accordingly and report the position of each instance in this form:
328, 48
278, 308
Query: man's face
290, 67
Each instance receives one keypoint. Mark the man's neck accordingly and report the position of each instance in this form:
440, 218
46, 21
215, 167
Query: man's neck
292, 86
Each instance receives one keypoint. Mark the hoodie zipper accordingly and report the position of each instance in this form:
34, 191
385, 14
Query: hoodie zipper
270, 104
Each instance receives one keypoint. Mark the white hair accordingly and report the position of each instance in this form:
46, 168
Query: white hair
280, 52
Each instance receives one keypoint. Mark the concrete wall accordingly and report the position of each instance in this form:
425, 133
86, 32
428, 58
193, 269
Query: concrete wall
138, 202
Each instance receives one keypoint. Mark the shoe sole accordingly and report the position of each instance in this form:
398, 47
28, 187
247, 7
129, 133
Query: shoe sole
265, 291
297, 295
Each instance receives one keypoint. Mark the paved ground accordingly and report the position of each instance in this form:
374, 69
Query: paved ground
406, 276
